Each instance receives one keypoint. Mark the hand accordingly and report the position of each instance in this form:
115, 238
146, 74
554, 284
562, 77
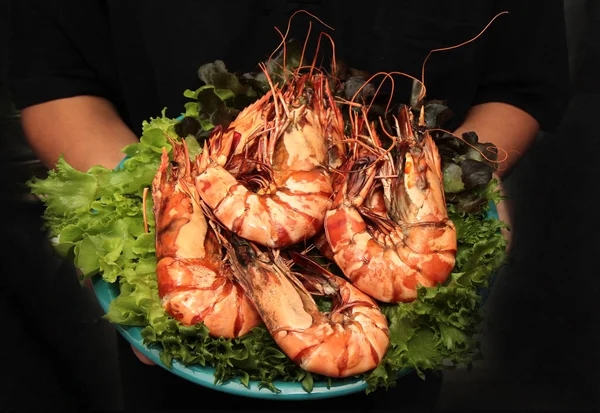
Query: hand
139, 355
142, 358
85, 130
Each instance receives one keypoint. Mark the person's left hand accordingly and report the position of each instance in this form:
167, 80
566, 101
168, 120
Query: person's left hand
142, 358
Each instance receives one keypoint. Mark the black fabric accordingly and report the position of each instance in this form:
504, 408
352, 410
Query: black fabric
543, 312
588, 53
57, 352
144, 54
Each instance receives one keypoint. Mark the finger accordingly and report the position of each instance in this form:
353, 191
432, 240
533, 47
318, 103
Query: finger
142, 358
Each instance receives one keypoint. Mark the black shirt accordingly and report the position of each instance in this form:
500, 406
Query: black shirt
144, 54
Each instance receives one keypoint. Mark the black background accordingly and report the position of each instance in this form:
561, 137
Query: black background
542, 318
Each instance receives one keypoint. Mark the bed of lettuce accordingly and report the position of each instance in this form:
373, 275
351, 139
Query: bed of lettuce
96, 218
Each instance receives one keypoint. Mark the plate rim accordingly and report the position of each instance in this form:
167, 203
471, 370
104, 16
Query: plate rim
288, 390
102, 291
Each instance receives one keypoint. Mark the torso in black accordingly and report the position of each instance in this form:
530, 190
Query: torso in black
144, 54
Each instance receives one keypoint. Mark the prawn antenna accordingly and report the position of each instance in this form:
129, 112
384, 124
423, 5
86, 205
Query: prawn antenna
422, 81
498, 149
287, 32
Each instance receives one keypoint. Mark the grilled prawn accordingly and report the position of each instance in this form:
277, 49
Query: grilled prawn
193, 282
351, 339
285, 199
388, 256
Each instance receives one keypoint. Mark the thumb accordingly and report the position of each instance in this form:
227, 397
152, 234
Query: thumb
141, 357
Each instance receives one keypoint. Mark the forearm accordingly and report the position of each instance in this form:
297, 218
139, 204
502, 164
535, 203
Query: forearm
509, 128
86, 130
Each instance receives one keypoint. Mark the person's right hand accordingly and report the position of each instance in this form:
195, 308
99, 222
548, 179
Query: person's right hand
142, 358
85, 130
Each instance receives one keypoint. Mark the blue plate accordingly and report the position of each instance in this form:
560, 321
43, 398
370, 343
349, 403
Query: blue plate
204, 376
106, 292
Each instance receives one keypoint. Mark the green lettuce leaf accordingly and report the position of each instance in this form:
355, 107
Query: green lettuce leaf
439, 328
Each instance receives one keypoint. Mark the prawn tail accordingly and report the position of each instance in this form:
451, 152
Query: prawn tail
433, 159
381, 223
203, 160
316, 279
161, 174
161, 189
359, 178
216, 148
404, 125
182, 157
338, 153
240, 254
326, 283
